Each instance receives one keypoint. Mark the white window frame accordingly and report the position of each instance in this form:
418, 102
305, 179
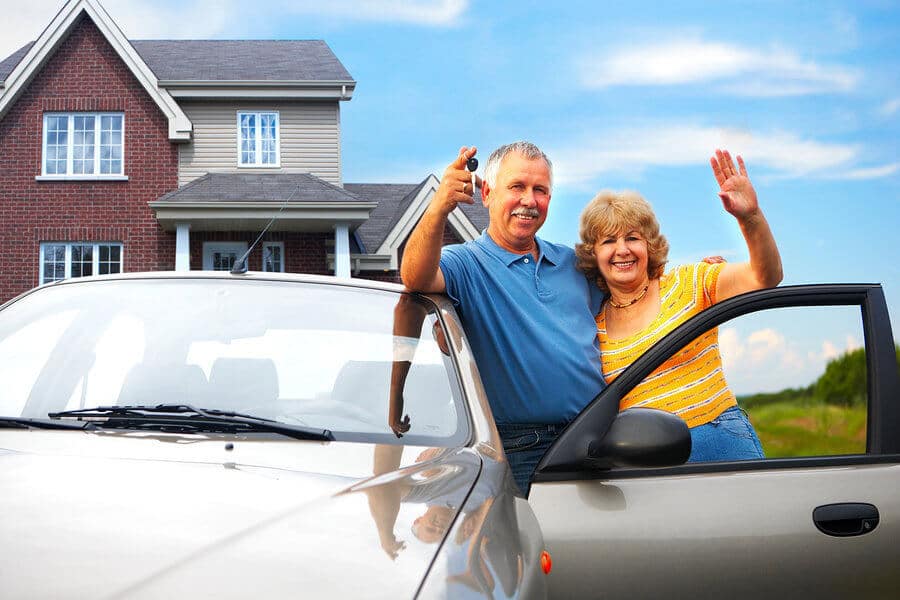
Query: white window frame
95, 257
265, 246
70, 139
257, 164
210, 247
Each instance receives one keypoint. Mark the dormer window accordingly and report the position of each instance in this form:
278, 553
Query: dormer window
258, 141
83, 145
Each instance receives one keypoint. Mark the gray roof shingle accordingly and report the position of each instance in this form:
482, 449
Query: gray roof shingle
260, 187
241, 60
393, 200
390, 197
477, 212
229, 60
9, 63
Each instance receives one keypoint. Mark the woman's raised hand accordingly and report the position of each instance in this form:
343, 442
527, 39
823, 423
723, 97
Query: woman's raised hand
735, 190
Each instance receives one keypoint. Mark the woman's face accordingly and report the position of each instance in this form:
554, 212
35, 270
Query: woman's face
622, 259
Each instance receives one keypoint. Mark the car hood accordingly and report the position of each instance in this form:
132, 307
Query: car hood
109, 515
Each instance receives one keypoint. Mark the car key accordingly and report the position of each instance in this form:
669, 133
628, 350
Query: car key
472, 166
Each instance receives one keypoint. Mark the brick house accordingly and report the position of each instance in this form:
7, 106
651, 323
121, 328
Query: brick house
139, 155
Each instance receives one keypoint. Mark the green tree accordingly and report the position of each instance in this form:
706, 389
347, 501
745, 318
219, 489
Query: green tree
844, 379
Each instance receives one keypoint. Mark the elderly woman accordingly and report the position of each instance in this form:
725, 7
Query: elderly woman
622, 249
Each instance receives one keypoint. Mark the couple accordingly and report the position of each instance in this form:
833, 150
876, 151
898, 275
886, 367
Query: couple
549, 326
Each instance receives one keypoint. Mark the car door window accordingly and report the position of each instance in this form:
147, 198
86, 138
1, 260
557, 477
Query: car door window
799, 373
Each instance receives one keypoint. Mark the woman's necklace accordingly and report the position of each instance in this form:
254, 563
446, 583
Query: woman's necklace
615, 304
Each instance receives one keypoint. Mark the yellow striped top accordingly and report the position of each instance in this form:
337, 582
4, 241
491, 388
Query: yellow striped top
690, 384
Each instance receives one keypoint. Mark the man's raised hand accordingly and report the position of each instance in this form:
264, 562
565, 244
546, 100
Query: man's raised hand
456, 184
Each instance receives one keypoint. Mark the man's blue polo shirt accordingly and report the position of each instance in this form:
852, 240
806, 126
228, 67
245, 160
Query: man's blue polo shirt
531, 327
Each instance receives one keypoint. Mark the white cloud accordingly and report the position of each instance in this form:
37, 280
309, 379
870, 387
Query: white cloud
764, 344
762, 361
829, 350
890, 107
419, 12
733, 69
639, 148
867, 172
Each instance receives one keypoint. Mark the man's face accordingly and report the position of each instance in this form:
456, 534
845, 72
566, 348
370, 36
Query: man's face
518, 203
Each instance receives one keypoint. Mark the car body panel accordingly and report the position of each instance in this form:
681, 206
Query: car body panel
747, 534
136, 515
741, 529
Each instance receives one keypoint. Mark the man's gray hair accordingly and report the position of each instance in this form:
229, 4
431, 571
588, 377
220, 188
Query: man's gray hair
526, 149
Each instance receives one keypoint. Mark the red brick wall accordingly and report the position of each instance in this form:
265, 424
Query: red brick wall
85, 74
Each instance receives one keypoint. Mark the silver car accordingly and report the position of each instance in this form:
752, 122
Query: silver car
219, 435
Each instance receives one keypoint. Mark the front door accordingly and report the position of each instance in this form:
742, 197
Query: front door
221, 256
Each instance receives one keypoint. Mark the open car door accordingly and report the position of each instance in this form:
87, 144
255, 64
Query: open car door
813, 526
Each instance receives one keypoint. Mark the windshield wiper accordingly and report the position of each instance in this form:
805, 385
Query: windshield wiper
186, 418
28, 423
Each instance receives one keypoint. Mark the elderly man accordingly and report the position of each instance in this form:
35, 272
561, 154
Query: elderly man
528, 313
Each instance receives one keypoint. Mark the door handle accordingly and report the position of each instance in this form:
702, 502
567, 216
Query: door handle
846, 518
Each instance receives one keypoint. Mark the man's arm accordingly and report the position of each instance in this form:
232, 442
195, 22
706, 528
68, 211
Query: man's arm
739, 199
420, 270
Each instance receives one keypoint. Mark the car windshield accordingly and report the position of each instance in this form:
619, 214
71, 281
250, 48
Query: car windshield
317, 355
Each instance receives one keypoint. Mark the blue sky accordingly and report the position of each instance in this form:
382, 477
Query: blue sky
620, 95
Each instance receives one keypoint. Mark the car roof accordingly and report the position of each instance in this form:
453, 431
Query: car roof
250, 276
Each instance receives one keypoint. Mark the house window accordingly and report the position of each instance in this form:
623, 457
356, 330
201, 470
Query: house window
273, 257
60, 260
258, 143
83, 144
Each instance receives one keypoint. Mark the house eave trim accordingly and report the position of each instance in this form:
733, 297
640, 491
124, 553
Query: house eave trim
262, 206
364, 262
294, 90
218, 216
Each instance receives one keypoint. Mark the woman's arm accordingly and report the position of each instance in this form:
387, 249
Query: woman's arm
739, 200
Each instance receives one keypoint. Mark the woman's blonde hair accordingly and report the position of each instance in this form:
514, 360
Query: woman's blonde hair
615, 213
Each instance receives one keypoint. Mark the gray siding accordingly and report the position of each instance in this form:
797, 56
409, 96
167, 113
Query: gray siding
310, 139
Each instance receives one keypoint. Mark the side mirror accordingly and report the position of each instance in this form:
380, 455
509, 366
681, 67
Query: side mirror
642, 437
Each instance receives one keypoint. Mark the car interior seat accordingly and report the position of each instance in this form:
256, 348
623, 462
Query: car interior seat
240, 384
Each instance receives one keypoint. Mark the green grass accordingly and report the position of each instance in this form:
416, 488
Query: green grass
805, 427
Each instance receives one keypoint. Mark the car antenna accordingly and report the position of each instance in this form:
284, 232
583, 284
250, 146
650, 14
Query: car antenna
240, 265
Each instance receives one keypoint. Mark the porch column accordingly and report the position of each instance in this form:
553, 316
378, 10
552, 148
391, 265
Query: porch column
342, 250
183, 247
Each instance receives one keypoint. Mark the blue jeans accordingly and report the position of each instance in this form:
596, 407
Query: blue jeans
730, 436
525, 445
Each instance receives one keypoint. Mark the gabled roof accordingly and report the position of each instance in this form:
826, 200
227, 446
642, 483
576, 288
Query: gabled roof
400, 206
391, 198
242, 60
37, 55
259, 187
10, 62
229, 61
190, 68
